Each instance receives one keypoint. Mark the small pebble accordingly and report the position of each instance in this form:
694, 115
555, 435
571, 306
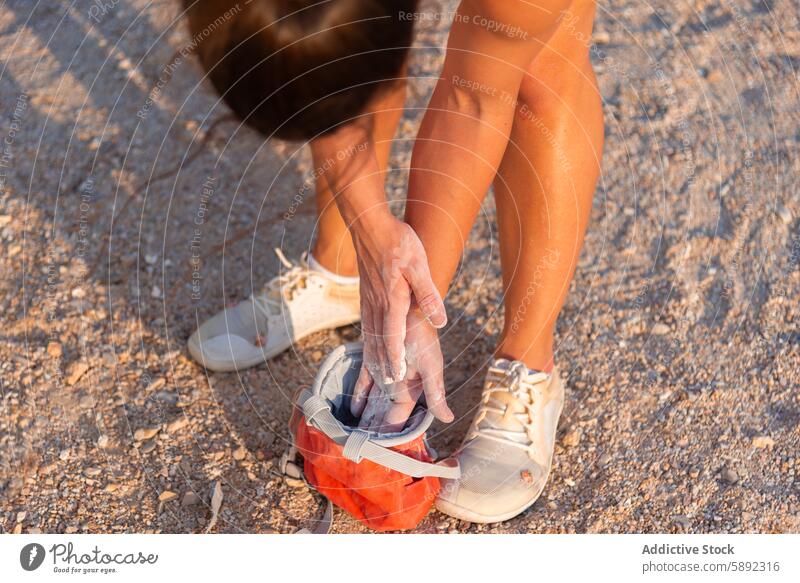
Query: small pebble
190, 499
146, 433
166, 496
76, 371
572, 438
157, 384
177, 424
660, 329
763, 442
292, 470
601, 37
148, 446
728, 475
682, 520
239, 454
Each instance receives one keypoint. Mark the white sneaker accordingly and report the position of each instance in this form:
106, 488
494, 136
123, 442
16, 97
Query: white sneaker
506, 456
296, 303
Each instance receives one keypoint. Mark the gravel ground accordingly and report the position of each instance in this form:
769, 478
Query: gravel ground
679, 342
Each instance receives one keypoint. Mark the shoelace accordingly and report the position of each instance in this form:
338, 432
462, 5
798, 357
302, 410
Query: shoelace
513, 387
281, 289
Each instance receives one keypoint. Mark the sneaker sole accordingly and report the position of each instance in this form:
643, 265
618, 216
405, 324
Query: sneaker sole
195, 349
468, 515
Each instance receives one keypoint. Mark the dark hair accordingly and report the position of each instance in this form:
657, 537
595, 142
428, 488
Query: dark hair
295, 69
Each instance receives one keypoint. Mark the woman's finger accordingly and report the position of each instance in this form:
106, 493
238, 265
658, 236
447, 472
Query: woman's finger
360, 392
382, 370
376, 423
394, 332
371, 331
368, 364
433, 387
372, 327
373, 410
405, 395
425, 293
366, 417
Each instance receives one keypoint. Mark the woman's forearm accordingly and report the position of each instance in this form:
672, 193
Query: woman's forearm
347, 161
352, 160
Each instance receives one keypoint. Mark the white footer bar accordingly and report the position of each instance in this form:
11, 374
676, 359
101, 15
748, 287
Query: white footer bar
401, 558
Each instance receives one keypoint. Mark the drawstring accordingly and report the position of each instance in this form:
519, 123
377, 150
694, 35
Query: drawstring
286, 263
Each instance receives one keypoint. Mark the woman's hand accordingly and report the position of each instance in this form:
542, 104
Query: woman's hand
386, 407
392, 263
393, 268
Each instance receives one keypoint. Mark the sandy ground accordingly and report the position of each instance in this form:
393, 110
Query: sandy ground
679, 340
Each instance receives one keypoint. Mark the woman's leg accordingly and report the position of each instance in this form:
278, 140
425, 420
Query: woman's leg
544, 187
333, 248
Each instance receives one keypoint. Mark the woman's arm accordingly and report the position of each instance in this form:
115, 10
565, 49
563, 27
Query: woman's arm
465, 130
347, 161
391, 259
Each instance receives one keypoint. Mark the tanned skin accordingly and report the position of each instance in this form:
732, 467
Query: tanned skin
516, 106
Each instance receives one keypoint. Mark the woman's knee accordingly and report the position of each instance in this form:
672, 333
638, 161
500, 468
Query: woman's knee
544, 91
563, 66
